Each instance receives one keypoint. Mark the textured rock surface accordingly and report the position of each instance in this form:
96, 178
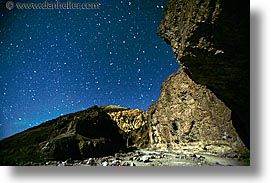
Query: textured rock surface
128, 120
95, 132
211, 39
89, 133
188, 116
133, 123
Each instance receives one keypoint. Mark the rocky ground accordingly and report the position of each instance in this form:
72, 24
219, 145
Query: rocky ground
145, 157
93, 138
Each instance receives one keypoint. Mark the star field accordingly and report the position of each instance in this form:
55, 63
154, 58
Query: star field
54, 62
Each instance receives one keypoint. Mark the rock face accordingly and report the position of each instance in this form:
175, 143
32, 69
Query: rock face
127, 119
133, 123
199, 103
190, 117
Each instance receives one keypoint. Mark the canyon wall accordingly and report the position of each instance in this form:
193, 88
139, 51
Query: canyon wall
205, 104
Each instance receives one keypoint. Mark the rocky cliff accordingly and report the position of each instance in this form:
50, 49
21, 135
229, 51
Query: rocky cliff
133, 123
208, 98
85, 134
189, 117
127, 119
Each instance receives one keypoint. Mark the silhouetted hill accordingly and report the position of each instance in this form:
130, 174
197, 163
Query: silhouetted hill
84, 134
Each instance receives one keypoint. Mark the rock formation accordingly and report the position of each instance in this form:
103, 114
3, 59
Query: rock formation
133, 123
210, 91
127, 119
85, 134
190, 117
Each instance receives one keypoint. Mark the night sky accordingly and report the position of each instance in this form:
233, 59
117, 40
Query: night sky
55, 62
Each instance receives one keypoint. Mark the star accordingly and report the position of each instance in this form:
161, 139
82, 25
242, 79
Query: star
55, 62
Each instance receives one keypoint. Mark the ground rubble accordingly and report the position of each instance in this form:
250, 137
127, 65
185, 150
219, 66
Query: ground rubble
145, 157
